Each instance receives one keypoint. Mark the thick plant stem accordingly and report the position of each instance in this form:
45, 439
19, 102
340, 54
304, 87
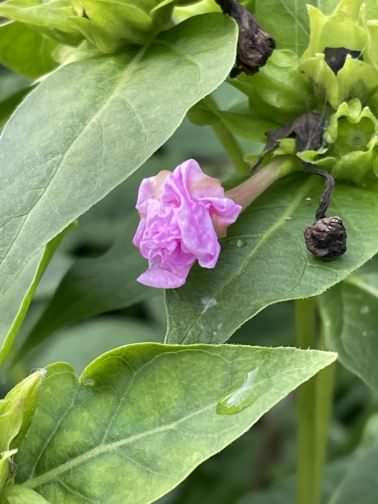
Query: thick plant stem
314, 402
226, 138
325, 383
311, 451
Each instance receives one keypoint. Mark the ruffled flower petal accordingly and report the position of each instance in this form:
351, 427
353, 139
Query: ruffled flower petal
182, 215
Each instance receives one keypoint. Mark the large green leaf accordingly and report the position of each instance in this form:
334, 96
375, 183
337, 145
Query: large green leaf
65, 149
264, 260
349, 314
142, 417
25, 51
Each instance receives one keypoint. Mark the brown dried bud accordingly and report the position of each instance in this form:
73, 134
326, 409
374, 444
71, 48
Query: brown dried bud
254, 46
307, 129
326, 238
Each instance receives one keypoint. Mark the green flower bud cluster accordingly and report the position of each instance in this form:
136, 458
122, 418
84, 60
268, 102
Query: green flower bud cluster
351, 144
106, 24
337, 77
347, 28
279, 91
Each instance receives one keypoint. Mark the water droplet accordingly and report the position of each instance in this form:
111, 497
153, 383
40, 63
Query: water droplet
309, 198
219, 326
240, 243
240, 398
207, 303
364, 310
289, 218
364, 333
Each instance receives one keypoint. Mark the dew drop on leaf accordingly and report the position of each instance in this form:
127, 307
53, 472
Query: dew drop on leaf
207, 303
240, 243
241, 398
364, 310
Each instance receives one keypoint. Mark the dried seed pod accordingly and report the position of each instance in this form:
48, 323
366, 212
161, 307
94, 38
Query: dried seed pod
255, 45
326, 238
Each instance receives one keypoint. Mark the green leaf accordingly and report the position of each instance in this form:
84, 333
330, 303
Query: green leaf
95, 286
80, 344
286, 20
16, 412
63, 171
349, 313
278, 92
13, 89
8, 105
144, 416
238, 119
21, 495
264, 260
25, 51
241, 122
108, 23
284, 492
53, 17
202, 7
15, 301
360, 483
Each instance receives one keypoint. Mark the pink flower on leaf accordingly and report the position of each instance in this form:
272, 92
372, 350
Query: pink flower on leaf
182, 215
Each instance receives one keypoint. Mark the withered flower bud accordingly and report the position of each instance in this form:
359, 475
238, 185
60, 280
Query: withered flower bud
336, 56
254, 46
307, 129
326, 238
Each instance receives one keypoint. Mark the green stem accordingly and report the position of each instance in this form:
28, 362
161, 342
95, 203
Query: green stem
227, 139
314, 402
325, 382
308, 491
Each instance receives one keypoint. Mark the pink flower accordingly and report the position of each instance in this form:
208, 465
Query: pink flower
182, 214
